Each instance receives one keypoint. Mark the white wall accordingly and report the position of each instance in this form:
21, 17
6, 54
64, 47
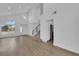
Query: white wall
44, 29
34, 18
44, 23
66, 29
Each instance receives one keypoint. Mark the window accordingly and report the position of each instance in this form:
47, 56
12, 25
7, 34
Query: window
9, 26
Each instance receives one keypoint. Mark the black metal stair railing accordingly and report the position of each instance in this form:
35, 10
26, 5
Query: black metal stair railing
36, 30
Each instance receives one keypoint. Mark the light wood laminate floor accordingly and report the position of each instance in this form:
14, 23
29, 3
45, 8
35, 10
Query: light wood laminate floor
30, 46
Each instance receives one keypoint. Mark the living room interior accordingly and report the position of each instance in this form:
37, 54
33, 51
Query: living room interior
39, 29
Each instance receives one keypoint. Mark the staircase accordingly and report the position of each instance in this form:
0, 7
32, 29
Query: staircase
36, 31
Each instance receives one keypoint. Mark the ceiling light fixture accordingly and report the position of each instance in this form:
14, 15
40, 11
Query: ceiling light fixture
9, 8
24, 17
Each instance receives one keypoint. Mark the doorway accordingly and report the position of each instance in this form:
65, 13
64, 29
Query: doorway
51, 33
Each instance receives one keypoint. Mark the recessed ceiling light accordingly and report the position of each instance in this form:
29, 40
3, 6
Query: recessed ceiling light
24, 17
9, 8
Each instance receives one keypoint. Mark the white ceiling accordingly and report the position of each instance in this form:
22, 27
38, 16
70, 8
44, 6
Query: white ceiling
10, 8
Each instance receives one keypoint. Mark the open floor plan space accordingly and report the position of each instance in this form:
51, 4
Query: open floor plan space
30, 46
39, 29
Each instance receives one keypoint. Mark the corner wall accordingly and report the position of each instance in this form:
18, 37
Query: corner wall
66, 25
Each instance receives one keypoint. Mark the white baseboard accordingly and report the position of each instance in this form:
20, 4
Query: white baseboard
45, 41
72, 50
